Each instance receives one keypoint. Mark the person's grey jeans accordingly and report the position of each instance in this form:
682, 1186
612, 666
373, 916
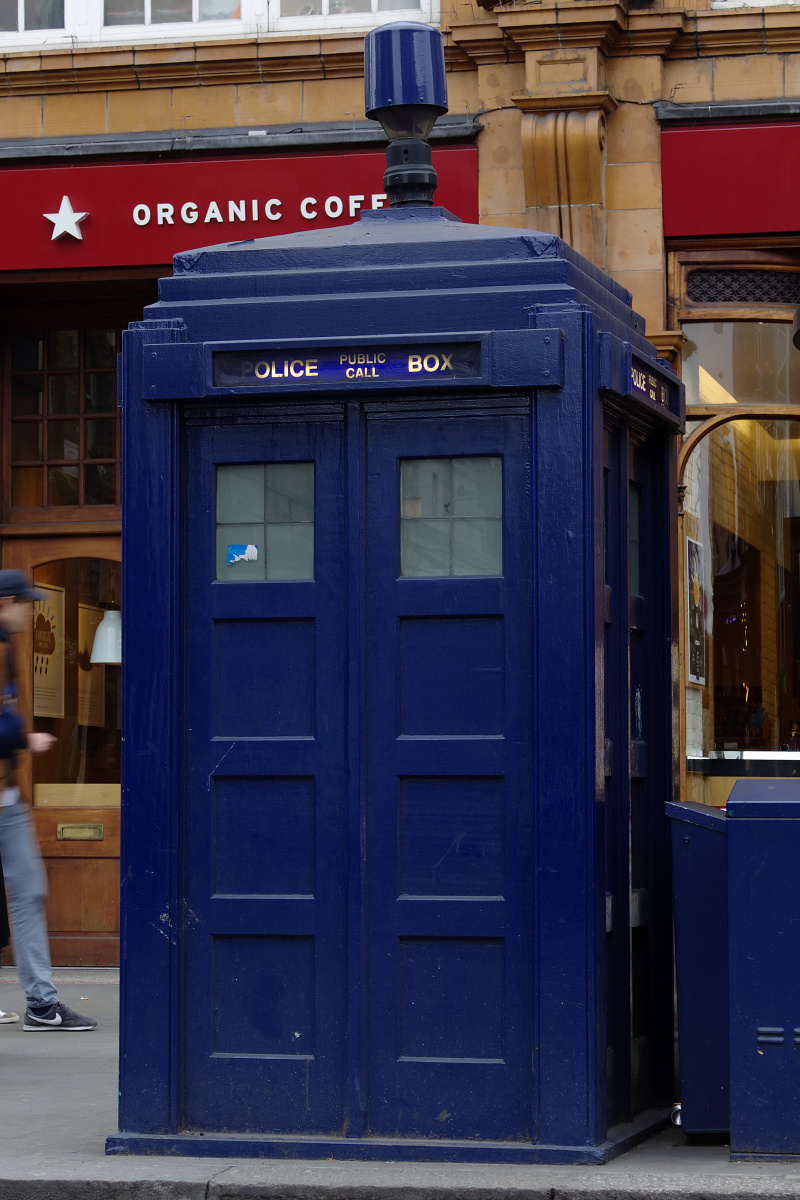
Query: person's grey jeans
26, 884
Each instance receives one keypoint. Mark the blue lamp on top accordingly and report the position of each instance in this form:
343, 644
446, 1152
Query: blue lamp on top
406, 90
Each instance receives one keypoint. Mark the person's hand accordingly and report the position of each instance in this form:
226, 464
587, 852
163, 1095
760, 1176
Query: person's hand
39, 742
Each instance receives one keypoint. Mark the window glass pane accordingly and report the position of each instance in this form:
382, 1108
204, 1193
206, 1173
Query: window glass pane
290, 492
290, 551
240, 492
27, 348
301, 8
26, 396
170, 10
101, 348
424, 548
741, 597
99, 484
63, 393
451, 516
75, 700
8, 16
219, 10
477, 547
240, 552
425, 487
99, 393
62, 485
477, 487
26, 487
63, 440
62, 349
26, 441
99, 438
740, 362
123, 12
44, 14
391, 5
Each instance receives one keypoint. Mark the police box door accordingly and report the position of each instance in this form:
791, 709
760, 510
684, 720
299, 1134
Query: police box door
357, 801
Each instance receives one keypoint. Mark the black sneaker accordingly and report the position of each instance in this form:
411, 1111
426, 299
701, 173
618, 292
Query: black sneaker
59, 1017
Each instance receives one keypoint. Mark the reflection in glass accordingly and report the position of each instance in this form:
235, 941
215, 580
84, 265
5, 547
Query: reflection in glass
741, 570
101, 348
240, 492
170, 10
451, 516
99, 393
26, 348
26, 487
82, 710
99, 484
290, 492
740, 362
44, 14
219, 10
9, 18
63, 440
62, 485
62, 349
123, 12
99, 438
634, 548
63, 394
26, 441
290, 551
26, 395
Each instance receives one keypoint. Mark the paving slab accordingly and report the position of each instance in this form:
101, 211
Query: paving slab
58, 1104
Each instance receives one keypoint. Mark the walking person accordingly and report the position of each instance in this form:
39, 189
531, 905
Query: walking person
6, 1018
19, 851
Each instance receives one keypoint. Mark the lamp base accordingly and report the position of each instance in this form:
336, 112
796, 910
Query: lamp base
410, 178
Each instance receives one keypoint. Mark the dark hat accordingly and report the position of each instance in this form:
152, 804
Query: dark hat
18, 584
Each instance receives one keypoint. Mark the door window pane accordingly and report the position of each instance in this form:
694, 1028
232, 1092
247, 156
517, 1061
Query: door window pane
451, 516
74, 699
265, 521
62, 349
99, 483
26, 396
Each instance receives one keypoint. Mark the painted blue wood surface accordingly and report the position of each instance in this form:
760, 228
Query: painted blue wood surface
368, 835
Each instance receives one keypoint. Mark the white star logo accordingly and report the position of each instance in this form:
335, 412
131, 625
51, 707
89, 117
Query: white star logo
66, 220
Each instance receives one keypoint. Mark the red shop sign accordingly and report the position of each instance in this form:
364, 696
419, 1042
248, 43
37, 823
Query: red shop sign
731, 179
125, 214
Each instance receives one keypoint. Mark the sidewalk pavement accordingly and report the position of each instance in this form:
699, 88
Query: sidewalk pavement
58, 1103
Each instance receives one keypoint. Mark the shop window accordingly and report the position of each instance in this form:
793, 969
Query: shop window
74, 699
31, 22
742, 605
740, 362
64, 435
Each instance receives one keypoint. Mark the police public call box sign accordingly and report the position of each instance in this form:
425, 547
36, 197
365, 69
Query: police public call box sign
344, 364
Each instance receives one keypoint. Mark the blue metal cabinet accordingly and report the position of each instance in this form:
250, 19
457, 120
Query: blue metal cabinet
700, 883
395, 877
764, 922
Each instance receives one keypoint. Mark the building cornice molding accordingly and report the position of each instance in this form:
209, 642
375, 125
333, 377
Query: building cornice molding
565, 102
225, 61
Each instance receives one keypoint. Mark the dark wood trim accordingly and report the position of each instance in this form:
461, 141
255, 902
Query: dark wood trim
66, 529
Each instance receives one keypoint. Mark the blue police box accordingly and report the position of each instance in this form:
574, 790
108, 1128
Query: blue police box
399, 569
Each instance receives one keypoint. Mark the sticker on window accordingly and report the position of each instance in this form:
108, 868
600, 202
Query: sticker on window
242, 554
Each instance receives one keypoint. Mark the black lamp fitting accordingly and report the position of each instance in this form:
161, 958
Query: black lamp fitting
410, 178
